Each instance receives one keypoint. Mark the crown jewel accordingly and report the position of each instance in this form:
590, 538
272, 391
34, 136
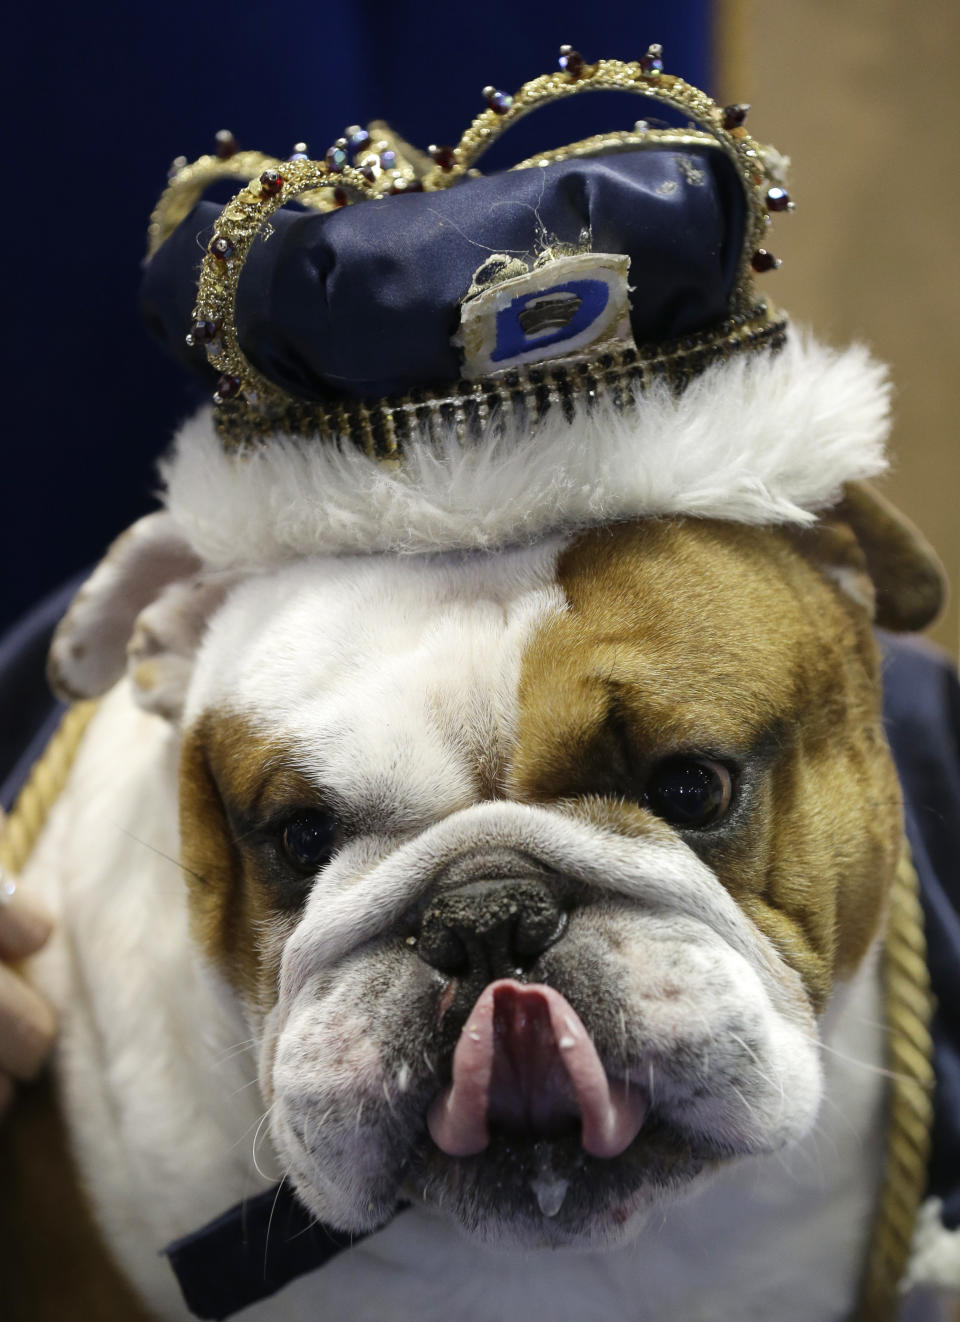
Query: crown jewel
578, 310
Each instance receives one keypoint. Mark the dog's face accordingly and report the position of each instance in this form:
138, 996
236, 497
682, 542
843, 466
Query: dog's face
643, 772
534, 870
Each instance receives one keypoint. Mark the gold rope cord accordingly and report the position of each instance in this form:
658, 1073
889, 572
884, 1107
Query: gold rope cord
908, 1008
48, 775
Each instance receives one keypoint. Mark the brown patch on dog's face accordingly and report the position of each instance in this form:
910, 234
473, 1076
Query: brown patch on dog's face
704, 637
236, 788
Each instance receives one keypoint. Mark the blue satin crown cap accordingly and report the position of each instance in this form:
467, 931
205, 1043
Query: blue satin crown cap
367, 300
383, 288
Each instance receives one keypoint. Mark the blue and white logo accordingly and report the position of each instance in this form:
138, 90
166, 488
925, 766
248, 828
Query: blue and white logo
551, 312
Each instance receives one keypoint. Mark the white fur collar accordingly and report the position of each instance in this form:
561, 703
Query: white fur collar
758, 439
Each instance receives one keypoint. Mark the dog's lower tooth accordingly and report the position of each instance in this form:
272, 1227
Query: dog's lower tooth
549, 1193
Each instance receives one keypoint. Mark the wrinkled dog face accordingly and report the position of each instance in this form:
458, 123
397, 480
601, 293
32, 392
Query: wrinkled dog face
534, 870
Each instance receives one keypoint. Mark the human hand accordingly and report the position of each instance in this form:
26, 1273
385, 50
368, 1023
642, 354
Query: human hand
27, 1025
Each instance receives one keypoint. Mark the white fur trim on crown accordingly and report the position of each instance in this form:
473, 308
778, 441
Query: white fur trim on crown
757, 439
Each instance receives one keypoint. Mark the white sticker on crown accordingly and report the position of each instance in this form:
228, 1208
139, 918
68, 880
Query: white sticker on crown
556, 310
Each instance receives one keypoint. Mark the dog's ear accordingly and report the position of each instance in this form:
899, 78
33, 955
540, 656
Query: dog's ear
879, 559
143, 610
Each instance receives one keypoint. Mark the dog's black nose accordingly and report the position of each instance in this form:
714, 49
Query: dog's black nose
491, 929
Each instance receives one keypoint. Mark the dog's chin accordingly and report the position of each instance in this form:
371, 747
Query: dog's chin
530, 1193
549, 1193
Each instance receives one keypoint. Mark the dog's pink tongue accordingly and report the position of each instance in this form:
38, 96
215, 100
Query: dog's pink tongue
525, 1060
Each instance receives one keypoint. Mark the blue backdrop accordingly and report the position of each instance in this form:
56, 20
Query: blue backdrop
103, 97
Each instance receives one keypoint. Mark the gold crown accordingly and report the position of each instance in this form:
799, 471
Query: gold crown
372, 163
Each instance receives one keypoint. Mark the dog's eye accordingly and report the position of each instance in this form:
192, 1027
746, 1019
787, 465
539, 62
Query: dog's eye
309, 839
689, 791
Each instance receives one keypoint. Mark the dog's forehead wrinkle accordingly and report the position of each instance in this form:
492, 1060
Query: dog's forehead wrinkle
314, 626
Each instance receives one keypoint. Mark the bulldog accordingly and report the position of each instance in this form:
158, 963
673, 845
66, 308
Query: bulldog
540, 889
